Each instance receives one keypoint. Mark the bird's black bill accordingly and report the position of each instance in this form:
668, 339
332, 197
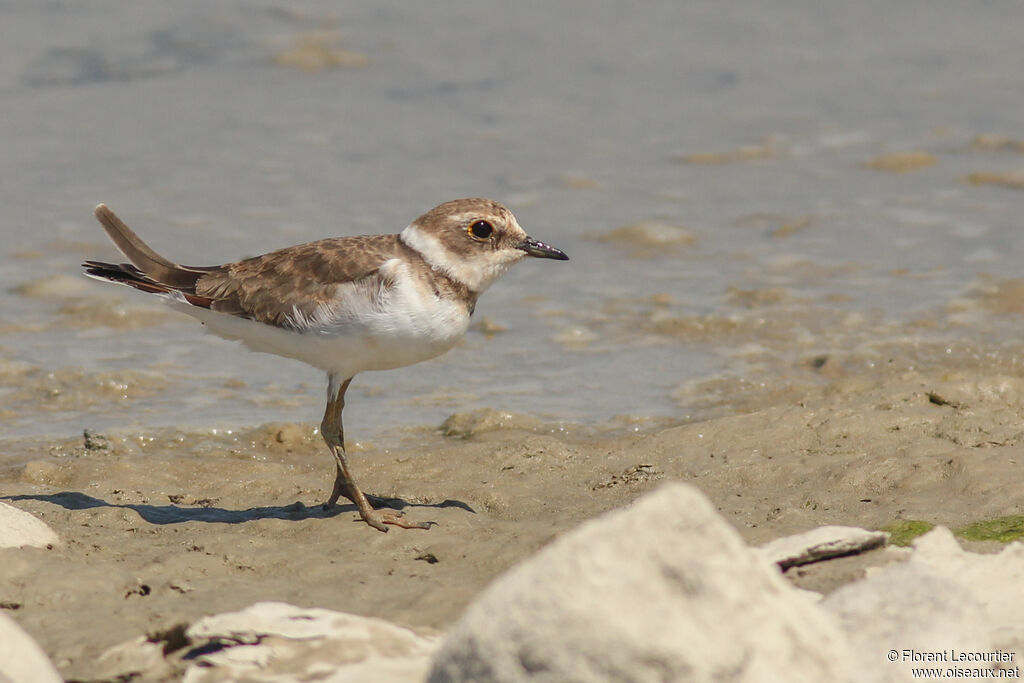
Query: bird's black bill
540, 250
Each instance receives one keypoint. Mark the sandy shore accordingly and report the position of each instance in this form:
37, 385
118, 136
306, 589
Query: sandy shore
159, 529
794, 243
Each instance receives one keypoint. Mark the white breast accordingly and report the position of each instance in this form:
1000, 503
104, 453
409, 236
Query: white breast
360, 329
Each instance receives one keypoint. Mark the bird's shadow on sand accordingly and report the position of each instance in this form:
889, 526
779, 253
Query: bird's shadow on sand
175, 514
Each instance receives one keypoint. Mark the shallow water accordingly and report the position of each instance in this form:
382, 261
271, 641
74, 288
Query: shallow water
759, 152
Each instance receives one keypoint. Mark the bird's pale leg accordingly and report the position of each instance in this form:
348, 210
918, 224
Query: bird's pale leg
333, 432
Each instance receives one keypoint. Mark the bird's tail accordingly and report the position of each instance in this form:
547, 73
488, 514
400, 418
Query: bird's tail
148, 270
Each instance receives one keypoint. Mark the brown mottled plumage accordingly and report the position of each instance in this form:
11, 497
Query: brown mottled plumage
344, 304
271, 287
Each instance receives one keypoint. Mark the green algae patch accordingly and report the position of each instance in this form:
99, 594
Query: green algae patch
904, 531
1002, 529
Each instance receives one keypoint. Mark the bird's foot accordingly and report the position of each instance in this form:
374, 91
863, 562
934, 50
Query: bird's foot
379, 518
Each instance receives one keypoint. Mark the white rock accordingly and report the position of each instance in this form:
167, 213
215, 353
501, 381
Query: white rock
662, 590
273, 641
134, 658
942, 599
822, 543
21, 659
994, 580
19, 529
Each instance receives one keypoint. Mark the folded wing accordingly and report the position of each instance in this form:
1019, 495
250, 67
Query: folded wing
284, 288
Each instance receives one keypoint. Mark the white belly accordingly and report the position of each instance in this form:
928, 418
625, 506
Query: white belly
354, 334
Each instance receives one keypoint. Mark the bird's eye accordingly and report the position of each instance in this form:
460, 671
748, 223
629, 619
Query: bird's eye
481, 230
